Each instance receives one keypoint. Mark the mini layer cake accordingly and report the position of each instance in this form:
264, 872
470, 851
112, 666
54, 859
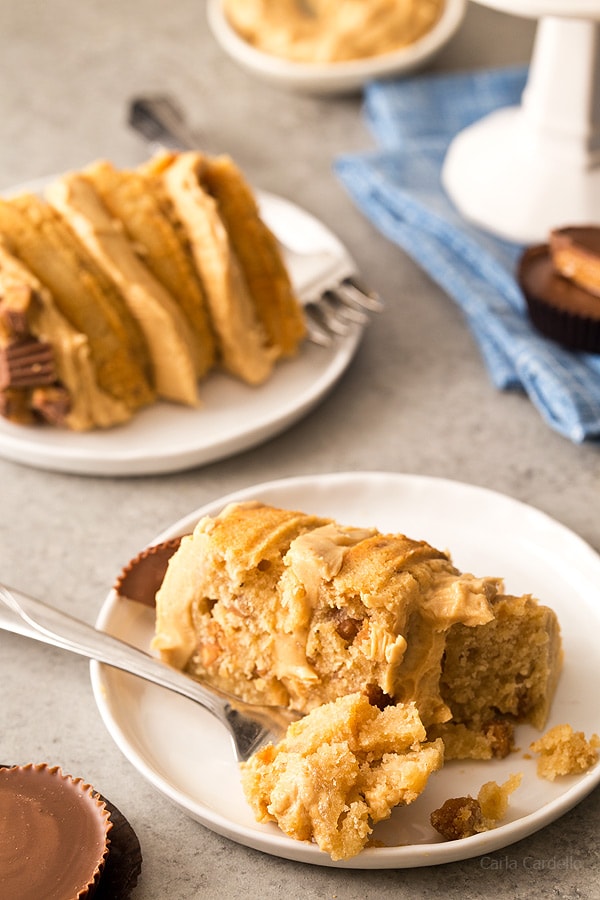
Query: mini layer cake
118, 288
285, 608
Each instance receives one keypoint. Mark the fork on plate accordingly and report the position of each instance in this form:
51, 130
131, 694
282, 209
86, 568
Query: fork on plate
325, 278
251, 726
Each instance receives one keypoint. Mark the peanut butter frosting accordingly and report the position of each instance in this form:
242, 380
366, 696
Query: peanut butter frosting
330, 31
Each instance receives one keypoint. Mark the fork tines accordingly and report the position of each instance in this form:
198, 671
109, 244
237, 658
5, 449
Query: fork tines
340, 308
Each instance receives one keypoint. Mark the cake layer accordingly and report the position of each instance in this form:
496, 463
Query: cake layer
258, 253
242, 340
166, 331
36, 234
136, 201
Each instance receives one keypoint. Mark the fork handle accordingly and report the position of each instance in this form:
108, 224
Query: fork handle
52, 626
161, 123
250, 726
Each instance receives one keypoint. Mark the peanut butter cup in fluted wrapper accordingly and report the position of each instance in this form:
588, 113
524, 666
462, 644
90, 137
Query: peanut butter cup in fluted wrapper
62, 840
54, 835
560, 281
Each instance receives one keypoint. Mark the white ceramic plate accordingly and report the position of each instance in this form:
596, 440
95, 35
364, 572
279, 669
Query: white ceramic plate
334, 77
188, 757
232, 417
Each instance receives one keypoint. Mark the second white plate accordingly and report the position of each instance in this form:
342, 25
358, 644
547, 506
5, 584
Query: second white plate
188, 757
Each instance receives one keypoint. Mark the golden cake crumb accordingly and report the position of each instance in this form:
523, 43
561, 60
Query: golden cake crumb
494, 740
461, 817
340, 770
565, 752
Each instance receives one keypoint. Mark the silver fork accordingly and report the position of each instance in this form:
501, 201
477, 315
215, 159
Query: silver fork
250, 726
327, 283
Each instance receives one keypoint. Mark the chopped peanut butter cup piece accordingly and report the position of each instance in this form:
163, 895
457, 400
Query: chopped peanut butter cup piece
26, 363
576, 255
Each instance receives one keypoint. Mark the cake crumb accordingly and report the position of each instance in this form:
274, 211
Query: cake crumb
565, 752
492, 741
339, 770
461, 817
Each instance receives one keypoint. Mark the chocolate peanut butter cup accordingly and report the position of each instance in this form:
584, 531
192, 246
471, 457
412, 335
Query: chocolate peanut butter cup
558, 307
59, 839
54, 834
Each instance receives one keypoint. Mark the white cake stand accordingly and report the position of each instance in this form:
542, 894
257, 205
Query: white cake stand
523, 170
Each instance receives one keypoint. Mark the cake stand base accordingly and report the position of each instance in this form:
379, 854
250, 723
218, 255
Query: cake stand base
523, 170
502, 181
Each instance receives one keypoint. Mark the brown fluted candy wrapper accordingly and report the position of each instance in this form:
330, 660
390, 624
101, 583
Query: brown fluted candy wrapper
141, 578
124, 862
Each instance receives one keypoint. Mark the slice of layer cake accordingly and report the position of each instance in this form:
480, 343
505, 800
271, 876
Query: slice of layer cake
285, 608
165, 273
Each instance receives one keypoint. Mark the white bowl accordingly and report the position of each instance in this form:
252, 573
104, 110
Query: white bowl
336, 77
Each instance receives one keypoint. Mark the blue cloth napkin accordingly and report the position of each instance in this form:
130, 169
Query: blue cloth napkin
398, 187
